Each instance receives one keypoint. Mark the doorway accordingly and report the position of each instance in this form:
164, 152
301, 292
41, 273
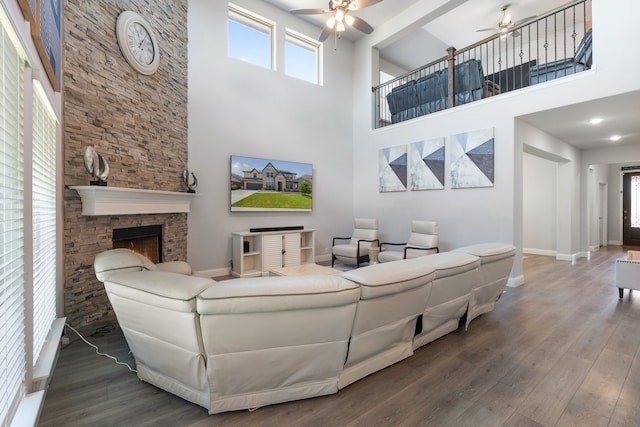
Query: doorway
603, 209
631, 209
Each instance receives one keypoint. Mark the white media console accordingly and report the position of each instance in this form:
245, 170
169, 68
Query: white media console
256, 253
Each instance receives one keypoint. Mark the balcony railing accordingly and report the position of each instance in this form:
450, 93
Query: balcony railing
554, 45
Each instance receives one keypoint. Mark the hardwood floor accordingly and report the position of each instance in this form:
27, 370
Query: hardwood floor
561, 350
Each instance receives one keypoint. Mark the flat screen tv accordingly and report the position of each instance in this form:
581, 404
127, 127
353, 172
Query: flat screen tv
270, 185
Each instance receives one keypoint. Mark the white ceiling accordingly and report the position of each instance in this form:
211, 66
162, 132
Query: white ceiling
569, 124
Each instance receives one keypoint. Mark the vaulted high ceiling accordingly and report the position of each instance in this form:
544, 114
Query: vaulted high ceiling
569, 124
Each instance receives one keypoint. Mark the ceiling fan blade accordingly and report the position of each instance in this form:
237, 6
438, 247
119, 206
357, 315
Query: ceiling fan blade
527, 19
361, 4
361, 25
324, 34
308, 11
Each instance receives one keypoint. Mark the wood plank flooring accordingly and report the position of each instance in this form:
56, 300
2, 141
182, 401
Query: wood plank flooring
561, 350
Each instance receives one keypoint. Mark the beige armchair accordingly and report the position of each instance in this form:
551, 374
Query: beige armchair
423, 240
365, 235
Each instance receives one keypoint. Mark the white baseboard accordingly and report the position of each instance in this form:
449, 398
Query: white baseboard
564, 257
514, 282
323, 258
614, 243
586, 255
545, 252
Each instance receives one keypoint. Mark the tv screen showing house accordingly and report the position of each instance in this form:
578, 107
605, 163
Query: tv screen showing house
270, 185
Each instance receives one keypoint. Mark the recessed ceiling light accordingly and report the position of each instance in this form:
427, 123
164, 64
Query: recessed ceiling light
615, 138
596, 121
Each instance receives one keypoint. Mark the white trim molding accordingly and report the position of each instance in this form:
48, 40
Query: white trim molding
99, 200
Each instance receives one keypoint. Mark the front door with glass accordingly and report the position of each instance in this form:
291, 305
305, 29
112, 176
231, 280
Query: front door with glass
631, 209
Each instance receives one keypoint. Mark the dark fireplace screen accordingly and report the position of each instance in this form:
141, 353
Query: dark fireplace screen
145, 240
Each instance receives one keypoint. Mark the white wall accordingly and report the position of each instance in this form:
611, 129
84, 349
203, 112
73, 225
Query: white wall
241, 109
488, 214
539, 205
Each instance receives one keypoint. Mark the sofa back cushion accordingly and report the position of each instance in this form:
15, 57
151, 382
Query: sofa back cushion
383, 279
271, 338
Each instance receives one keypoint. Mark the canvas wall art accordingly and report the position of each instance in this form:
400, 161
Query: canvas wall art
270, 185
472, 159
392, 169
426, 164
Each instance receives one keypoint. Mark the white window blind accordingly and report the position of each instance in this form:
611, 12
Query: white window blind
12, 336
44, 218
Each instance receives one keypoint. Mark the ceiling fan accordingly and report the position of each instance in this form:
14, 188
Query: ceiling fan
506, 23
341, 17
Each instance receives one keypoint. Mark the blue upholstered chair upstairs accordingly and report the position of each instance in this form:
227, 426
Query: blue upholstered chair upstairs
552, 70
403, 102
468, 81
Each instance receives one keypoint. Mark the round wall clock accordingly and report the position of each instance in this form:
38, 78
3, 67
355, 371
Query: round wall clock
137, 42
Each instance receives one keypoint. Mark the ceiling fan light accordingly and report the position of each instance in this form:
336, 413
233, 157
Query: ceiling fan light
331, 22
339, 15
353, 5
340, 27
349, 19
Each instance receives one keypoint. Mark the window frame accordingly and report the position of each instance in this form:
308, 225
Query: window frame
257, 23
305, 42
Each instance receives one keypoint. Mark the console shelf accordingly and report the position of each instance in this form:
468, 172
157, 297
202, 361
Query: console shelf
257, 253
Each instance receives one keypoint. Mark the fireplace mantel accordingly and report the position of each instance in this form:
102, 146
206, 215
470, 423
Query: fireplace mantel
98, 200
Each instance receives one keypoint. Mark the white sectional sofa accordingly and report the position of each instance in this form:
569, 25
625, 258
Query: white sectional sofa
246, 343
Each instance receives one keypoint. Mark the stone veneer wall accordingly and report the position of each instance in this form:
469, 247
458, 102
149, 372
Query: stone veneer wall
138, 123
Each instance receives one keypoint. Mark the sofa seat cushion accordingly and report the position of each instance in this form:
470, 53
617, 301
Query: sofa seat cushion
489, 252
378, 280
280, 293
350, 251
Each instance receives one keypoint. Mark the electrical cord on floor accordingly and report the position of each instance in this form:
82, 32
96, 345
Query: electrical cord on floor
96, 348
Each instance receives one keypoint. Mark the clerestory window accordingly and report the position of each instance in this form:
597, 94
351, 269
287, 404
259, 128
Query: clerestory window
302, 57
250, 37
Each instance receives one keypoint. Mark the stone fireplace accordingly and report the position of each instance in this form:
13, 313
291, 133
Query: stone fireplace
138, 123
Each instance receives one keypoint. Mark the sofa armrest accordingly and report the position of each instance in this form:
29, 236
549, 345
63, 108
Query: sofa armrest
391, 244
369, 241
416, 248
340, 238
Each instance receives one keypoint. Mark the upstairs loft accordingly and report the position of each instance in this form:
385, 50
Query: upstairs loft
554, 45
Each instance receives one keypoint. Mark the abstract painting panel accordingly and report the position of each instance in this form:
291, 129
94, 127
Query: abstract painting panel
472, 155
426, 164
392, 169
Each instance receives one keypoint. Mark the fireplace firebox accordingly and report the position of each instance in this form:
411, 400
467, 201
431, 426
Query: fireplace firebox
145, 240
